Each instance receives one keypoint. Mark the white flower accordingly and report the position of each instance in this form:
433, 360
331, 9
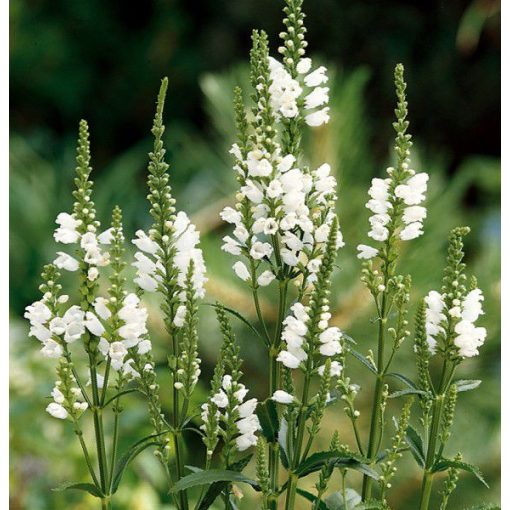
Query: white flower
265, 278
52, 349
414, 213
469, 338
57, 411
37, 313
230, 215
304, 65
92, 273
106, 237
247, 408
472, 305
144, 347
67, 232
282, 397
330, 348
335, 369
180, 316
366, 252
288, 359
117, 352
330, 334
318, 117
317, 97
260, 250
231, 246
411, 231
245, 441
241, 271
220, 399
93, 324
101, 308
316, 77
65, 261
144, 243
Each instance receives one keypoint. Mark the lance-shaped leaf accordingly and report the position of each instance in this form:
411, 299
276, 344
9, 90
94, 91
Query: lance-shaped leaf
415, 443
218, 487
210, 477
312, 498
467, 384
364, 360
339, 459
444, 464
268, 418
87, 487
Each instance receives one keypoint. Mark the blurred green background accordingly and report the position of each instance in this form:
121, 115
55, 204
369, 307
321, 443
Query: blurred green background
103, 61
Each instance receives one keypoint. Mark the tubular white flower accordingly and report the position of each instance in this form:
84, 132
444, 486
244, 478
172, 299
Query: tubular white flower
366, 252
282, 397
65, 261
241, 271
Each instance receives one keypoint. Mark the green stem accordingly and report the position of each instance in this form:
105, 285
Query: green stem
432, 439
292, 486
106, 503
86, 455
274, 384
291, 492
115, 440
375, 432
98, 426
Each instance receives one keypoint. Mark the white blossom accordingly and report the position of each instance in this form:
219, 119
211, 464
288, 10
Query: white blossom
282, 397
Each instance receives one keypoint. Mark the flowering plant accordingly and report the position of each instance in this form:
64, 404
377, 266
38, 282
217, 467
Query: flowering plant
285, 238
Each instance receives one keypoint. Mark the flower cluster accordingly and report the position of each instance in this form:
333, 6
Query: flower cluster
232, 395
226, 414
395, 200
57, 408
151, 270
469, 337
131, 332
288, 93
295, 332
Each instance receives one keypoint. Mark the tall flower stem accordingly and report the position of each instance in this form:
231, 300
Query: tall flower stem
274, 384
98, 427
437, 410
375, 430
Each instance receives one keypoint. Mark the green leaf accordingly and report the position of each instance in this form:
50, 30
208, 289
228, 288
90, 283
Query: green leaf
485, 506
210, 477
410, 384
444, 464
467, 384
336, 500
415, 443
407, 391
129, 456
87, 487
242, 319
371, 504
218, 487
362, 359
268, 418
349, 461
312, 498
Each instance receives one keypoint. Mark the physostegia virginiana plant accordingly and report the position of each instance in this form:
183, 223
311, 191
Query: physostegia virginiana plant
285, 237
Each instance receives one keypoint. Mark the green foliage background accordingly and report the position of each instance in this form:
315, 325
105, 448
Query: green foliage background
103, 61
